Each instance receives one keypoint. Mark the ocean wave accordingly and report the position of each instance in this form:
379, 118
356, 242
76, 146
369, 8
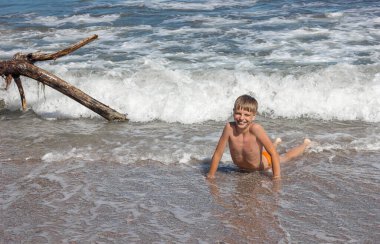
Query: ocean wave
154, 91
75, 19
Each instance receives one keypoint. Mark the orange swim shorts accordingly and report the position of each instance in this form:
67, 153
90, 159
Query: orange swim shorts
268, 157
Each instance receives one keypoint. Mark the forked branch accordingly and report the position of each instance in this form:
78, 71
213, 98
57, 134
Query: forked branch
23, 65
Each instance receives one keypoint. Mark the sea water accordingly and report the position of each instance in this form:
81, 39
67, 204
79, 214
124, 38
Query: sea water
175, 68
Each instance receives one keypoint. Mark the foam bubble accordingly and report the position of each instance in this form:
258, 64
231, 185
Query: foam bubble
66, 155
75, 19
334, 15
188, 5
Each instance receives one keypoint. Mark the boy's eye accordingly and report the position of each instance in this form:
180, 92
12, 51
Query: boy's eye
244, 114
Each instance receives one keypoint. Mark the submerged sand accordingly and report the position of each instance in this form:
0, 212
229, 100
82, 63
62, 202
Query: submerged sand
89, 181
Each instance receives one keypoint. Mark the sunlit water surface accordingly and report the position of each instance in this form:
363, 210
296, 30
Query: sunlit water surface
92, 181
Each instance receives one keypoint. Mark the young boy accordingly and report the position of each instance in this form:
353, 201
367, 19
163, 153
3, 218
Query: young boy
250, 147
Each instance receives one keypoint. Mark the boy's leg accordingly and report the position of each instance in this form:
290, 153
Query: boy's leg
276, 142
294, 152
264, 158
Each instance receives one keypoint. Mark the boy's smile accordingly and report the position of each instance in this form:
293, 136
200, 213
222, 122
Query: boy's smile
243, 118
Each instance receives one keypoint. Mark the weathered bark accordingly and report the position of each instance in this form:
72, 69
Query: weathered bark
23, 65
34, 57
21, 91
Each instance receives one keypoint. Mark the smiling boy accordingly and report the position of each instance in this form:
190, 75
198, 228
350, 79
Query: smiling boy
250, 147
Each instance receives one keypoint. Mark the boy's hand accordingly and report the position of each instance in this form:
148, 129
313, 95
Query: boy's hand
210, 177
278, 177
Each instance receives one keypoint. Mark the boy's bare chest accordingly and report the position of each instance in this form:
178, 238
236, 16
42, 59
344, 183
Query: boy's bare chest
245, 152
244, 144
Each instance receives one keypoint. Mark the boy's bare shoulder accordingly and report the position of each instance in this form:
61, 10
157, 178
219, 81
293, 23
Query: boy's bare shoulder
255, 128
228, 129
230, 125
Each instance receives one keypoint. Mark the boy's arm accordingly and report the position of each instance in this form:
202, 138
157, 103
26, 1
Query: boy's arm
268, 145
218, 153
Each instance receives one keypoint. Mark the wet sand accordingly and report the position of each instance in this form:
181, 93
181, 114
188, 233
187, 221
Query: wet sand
89, 181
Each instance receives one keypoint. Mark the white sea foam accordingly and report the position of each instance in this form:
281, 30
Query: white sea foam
188, 5
190, 67
334, 15
342, 92
74, 153
75, 19
362, 144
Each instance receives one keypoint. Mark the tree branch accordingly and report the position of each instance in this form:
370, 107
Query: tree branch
23, 64
37, 56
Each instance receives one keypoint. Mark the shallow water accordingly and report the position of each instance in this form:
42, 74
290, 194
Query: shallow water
176, 67
86, 181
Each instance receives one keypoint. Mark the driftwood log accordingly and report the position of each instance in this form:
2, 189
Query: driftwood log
23, 65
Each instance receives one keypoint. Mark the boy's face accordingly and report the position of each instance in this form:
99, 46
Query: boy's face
243, 118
